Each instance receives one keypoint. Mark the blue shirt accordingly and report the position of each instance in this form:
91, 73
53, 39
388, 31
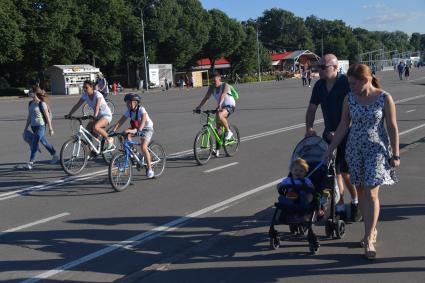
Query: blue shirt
331, 102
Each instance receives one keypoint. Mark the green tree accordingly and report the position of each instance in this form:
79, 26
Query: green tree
415, 41
225, 36
280, 29
12, 36
184, 35
51, 29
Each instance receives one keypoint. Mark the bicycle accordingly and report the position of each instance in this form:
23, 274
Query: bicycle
87, 110
120, 168
203, 145
76, 151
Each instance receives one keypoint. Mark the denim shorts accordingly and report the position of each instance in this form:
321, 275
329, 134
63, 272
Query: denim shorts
145, 134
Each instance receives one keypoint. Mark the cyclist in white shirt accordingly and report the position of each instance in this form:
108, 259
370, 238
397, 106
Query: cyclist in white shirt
141, 125
225, 103
102, 113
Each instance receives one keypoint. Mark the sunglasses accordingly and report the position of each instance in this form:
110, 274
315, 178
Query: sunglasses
324, 67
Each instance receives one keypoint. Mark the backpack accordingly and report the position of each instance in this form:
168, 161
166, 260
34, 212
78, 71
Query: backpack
233, 92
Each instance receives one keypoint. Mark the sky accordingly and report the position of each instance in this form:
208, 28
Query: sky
385, 15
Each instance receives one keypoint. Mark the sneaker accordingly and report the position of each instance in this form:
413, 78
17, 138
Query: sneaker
216, 152
150, 174
29, 165
356, 215
109, 144
229, 135
54, 160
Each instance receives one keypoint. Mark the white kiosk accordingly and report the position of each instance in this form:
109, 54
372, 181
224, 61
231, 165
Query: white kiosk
68, 79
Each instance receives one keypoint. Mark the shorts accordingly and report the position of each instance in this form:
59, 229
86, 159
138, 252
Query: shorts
341, 165
145, 134
107, 117
230, 109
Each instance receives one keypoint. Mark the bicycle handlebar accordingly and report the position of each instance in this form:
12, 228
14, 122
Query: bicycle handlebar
82, 118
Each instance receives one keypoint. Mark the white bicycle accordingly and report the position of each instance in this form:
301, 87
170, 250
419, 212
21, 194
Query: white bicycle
76, 151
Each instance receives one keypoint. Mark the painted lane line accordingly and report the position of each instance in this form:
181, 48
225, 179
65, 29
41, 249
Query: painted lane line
41, 221
409, 99
221, 209
412, 129
409, 111
149, 235
221, 167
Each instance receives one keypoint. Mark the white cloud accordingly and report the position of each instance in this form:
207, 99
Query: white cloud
384, 15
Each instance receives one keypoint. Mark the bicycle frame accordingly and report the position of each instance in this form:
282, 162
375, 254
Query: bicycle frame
88, 137
212, 129
129, 153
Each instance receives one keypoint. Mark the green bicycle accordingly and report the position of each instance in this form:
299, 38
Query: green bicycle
204, 145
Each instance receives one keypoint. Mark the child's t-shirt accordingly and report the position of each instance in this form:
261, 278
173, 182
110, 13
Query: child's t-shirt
139, 114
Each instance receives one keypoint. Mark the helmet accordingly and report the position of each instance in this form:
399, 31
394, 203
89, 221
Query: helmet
132, 97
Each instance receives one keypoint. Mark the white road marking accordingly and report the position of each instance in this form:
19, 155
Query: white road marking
220, 167
221, 208
41, 221
408, 111
149, 235
412, 129
17, 193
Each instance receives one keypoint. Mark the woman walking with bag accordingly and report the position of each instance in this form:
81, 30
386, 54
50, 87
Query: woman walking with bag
372, 152
39, 118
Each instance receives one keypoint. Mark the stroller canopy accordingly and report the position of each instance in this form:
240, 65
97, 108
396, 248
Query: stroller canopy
311, 149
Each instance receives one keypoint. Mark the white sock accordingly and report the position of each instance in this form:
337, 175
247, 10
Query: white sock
355, 201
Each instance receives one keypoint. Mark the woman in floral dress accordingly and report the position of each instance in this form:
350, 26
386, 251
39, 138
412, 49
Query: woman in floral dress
372, 151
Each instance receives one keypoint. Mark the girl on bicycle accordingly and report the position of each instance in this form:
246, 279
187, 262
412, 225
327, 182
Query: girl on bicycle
39, 118
141, 125
102, 113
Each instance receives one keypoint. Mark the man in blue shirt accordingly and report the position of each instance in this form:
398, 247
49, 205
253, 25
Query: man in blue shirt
329, 92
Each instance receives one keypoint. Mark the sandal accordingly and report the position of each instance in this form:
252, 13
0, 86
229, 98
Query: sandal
369, 251
373, 237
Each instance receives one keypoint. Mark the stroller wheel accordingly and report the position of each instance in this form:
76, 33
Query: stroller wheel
329, 228
274, 243
340, 229
292, 229
314, 247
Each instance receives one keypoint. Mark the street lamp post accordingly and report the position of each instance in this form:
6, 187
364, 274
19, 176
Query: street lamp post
258, 57
144, 49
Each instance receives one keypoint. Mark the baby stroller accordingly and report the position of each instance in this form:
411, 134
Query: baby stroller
322, 175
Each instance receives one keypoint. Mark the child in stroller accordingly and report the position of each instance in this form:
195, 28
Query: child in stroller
305, 199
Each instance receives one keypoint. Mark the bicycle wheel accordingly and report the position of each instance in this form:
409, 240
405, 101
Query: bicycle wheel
108, 154
232, 146
203, 146
111, 106
73, 156
158, 158
87, 110
120, 172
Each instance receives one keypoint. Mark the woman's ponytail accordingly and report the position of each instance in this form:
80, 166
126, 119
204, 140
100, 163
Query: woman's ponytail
375, 82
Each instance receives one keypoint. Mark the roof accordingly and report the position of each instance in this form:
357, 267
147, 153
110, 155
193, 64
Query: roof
280, 56
206, 61
81, 66
296, 54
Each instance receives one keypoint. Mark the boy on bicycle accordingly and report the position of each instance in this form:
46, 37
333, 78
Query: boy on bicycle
141, 125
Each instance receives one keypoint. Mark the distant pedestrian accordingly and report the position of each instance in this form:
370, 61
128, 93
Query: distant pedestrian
406, 72
304, 77
114, 88
39, 117
166, 84
400, 69
309, 77
191, 81
102, 85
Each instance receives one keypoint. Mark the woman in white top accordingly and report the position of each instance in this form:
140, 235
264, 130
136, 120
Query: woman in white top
102, 113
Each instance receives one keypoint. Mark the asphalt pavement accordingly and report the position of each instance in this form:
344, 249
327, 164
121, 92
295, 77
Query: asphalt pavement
200, 223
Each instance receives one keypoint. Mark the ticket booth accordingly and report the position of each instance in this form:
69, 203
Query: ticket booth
68, 79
